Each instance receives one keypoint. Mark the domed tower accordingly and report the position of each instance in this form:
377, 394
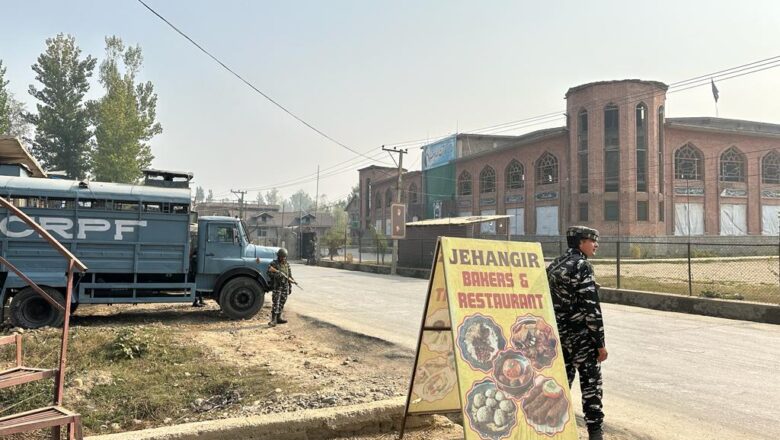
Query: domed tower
615, 143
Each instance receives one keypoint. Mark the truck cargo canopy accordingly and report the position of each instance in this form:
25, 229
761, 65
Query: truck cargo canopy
72, 189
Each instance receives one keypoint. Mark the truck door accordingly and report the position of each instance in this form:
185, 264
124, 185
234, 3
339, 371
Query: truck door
223, 248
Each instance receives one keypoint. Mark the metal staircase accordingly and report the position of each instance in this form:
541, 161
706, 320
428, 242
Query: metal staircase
54, 416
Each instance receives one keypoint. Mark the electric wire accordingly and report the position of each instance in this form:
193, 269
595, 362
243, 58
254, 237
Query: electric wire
248, 83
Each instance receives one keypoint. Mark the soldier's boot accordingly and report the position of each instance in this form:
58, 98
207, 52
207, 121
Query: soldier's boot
274, 320
595, 434
280, 320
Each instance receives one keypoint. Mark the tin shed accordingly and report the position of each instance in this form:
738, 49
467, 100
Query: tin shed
417, 249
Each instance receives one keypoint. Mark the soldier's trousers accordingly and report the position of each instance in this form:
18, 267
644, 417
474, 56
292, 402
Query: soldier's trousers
278, 298
581, 356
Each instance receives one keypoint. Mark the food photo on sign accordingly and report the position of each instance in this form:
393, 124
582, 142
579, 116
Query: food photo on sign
480, 339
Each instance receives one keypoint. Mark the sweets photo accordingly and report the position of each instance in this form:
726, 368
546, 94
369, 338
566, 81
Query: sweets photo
491, 413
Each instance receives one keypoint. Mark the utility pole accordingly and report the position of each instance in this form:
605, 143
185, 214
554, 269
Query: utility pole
316, 205
317, 192
240, 195
394, 263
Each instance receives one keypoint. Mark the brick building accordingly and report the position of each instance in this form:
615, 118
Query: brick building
378, 193
618, 165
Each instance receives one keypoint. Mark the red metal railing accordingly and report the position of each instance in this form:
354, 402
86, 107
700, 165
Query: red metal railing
73, 264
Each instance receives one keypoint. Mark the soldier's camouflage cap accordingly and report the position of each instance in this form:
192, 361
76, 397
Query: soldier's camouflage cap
582, 232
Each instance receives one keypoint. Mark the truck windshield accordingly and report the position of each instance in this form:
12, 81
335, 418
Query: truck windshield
245, 231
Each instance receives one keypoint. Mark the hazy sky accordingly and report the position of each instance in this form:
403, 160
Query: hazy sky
381, 72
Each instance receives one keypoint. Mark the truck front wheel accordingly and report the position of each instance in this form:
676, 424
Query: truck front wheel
241, 298
31, 310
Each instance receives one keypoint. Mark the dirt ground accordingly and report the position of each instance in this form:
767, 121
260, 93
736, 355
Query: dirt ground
317, 364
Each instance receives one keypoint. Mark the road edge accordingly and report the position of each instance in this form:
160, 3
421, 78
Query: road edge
310, 424
718, 308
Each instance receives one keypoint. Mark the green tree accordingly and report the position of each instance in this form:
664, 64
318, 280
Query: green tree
17, 114
272, 197
210, 197
301, 201
5, 117
199, 194
12, 111
62, 121
336, 236
125, 118
380, 242
260, 199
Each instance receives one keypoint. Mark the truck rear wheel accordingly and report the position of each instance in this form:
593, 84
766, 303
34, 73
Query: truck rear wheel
30, 310
241, 298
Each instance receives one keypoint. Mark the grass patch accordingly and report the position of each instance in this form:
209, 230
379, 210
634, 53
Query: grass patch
123, 374
766, 293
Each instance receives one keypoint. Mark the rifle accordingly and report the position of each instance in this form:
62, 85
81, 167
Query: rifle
292, 281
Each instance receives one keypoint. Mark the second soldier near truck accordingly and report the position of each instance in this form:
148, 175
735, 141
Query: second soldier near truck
280, 275
578, 313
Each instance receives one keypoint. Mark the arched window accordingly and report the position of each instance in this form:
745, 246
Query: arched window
732, 166
641, 148
464, 184
487, 180
388, 198
770, 168
661, 149
515, 175
368, 199
582, 150
611, 148
413, 194
546, 169
688, 163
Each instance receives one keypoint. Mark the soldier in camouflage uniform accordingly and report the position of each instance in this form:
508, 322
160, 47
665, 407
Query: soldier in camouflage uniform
578, 313
280, 284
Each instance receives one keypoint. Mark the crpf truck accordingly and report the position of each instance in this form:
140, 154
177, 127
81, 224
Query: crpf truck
138, 242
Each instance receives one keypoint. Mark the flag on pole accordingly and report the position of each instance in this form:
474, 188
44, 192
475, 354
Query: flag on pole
714, 91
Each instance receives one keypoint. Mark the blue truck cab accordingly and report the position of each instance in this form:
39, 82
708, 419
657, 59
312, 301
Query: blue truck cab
140, 242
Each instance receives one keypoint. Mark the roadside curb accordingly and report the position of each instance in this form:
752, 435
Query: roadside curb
719, 308
375, 268
311, 424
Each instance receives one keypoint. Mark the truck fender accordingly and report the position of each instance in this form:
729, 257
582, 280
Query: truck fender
240, 271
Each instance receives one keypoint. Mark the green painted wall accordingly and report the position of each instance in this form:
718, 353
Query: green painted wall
439, 185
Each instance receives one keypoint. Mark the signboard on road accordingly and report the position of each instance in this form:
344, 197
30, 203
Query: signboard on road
398, 221
503, 341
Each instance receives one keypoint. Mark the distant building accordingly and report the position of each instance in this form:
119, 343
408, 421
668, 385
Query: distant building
353, 216
618, 165
271, 228
378, 193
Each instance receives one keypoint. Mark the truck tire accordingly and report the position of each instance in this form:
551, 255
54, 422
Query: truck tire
30, 310
241, 298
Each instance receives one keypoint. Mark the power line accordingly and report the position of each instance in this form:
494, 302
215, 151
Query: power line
252, 86
679, 86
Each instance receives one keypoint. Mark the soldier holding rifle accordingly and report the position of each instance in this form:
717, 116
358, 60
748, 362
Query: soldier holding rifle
281, 279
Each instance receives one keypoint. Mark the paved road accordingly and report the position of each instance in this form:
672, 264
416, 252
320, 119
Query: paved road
669, 375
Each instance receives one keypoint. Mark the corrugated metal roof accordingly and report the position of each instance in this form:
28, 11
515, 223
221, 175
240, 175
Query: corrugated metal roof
93, 190
12, 151
457, 220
